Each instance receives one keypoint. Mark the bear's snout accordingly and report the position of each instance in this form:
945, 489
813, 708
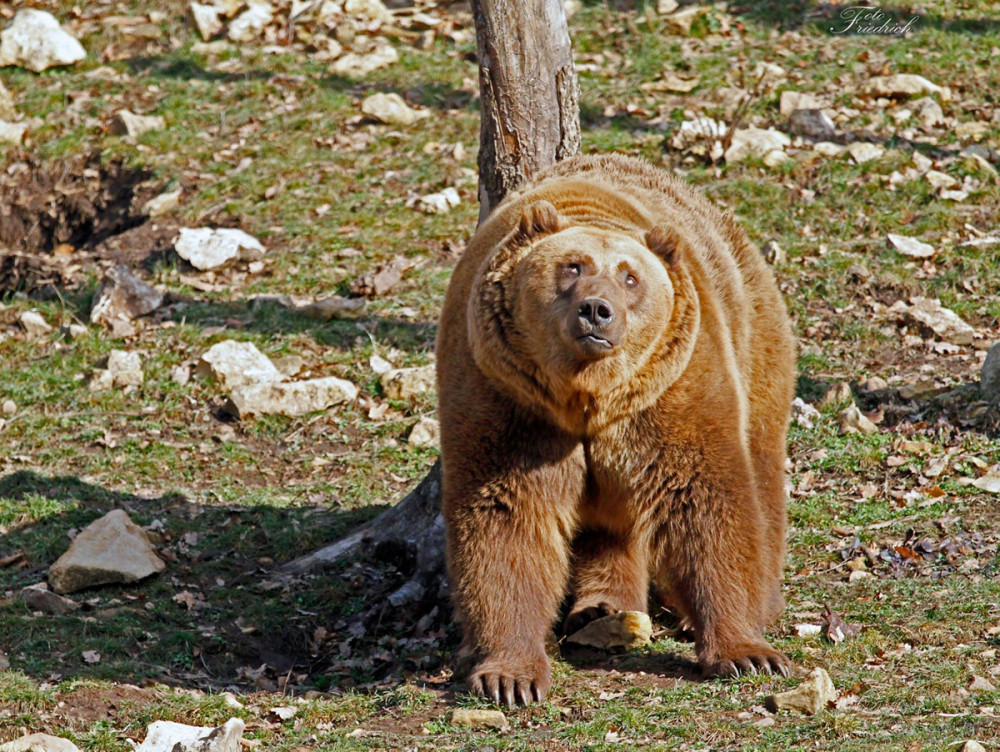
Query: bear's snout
595, 325
597, 312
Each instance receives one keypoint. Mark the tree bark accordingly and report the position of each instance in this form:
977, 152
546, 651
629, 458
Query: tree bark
530, 101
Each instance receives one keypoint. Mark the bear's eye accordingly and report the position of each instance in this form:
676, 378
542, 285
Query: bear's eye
573, 270
631, 280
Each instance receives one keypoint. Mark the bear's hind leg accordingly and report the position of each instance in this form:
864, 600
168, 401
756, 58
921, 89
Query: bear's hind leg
610, 574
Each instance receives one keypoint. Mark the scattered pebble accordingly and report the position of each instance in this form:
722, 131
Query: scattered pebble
127, 123
404, 383
34, 324
815, 693
439, 203
477, 718
391, 109
852, 420
862, 151
210, 248
426, 433
626, 629
911, 246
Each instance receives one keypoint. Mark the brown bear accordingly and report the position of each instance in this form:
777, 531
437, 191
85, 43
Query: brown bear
615, 372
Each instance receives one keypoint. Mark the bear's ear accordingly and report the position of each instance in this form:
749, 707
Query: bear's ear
665, 243
540, 218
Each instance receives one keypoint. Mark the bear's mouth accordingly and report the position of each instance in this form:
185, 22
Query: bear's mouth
593, 345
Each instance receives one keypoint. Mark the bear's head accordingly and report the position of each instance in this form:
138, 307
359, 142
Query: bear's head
585, 318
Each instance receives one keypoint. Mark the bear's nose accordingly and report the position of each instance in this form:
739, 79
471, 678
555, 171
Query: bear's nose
597, 312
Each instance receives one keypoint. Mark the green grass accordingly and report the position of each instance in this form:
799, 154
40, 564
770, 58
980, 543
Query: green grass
257, 493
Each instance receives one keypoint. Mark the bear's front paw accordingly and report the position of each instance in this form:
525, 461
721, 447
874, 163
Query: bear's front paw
753, 658
511, 681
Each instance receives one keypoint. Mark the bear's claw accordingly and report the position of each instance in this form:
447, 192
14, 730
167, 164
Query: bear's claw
504, 686
752, 660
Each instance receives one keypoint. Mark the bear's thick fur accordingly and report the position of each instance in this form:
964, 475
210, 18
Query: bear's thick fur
615, 370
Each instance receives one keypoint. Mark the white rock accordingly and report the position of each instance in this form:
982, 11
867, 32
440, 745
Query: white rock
426, 433
9, 407
122, 296
391, 109
441, 202
862, 151
250, 24
379, 364
355, 65
814, 694
208, 19
988, 483
808, 630
663, 7
852, 420
680, 23
233, 364
12, 133
34, 40
972, 746
900, 84
39, 598
768, 73
127, 123
755, 142
160, 205
911, 246
989, 376
34, 325
167, 736
829, 149
626, 629
973, 130
39, 743
798, 100
940, 180
109, 550
7, 109
404, 383
368, 10
921, 163
291, 398
125, 368
803, 413
944, 322
210, 248
928, 112
478, 718
701, 128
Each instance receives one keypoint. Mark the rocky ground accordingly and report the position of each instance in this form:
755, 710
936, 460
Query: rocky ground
225, 234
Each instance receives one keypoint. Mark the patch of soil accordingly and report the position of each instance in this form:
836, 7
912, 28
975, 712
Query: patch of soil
57, 217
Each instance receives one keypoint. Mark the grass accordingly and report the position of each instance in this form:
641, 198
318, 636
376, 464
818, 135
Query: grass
231, 500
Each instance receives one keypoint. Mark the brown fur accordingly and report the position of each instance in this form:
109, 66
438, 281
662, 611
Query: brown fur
661, 461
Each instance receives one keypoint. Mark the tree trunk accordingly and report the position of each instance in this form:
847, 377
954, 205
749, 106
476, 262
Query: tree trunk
530, 101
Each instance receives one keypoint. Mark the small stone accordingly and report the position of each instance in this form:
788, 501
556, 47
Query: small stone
391, 109
334, 307
989, 376
803, 413
40, 598
284, 713
34, 40
426, 433
250, 24
207, 18
7, 109
873, 384
476, 718
626, 629
921, 163
862, 151
127, 123
852, 420
798, 100
9, 407
112, 549
815, 693
974, 131
940, 180
210, 248
970, 746
162, 204
439, 203
768, 73
34, 325
181, 374
291, 398
829, 149
900, 85
755, 142
39, 743
289, 365
812, 124
12, 133
355, 65
125, 368
928, 112
404, 383
121, 295
663, 7
232, 364
911, 246
167, 736
857, 575
368, 10
837, 394
808, 630
917, 389
944, 322
232, 701
981, 684
699, 129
